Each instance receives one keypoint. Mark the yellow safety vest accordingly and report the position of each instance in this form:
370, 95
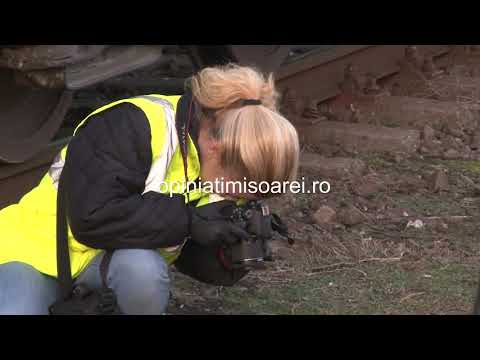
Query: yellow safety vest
28, 229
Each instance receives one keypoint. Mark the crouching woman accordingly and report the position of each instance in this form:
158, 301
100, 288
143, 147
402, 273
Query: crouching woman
119, 161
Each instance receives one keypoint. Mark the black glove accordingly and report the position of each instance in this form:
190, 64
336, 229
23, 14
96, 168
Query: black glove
211, 225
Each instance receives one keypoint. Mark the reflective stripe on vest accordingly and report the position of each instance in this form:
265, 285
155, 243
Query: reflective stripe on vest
158, 170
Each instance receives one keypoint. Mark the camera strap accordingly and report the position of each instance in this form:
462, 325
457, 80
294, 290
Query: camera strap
183, 132
64, 274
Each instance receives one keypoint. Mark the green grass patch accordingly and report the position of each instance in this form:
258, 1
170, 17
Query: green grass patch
368, 289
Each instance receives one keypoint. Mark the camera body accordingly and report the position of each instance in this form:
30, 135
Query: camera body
225, 265
255, 218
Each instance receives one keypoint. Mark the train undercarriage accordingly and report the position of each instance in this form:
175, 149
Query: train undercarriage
345, 98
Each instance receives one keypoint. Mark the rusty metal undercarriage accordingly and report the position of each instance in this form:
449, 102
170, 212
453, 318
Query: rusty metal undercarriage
343, 99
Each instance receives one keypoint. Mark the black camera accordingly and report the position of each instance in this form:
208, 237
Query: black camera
225, 265
255, 218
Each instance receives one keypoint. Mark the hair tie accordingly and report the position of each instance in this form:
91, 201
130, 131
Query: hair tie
251, 102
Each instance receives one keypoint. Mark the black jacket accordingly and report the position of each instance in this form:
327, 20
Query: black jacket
109, 160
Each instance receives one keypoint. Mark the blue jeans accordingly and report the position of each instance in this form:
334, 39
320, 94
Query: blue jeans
139, 279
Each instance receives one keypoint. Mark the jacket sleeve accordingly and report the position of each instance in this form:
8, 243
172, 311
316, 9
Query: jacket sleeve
109, 160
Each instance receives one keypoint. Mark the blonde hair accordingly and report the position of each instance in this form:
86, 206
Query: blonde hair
257, 142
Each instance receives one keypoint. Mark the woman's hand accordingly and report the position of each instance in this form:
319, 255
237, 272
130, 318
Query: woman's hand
211, 225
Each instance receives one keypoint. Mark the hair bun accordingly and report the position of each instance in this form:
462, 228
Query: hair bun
230, 85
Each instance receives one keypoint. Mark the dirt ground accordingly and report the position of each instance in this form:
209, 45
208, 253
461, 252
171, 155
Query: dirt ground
398, 238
